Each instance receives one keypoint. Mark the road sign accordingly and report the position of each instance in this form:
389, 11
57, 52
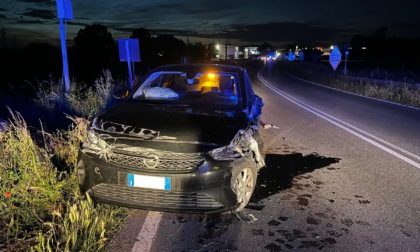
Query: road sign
301, 56
292, 56
64, 9
129, 49
335, 57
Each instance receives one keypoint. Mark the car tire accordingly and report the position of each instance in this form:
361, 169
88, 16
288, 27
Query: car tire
244, 179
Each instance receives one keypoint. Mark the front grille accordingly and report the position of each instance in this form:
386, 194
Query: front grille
153, 160
144, 198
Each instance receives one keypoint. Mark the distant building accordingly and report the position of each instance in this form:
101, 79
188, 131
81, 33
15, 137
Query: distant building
222, 52
235, 52
249, 52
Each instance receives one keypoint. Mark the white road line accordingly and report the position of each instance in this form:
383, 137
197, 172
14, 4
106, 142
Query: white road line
347, 127
147, 233
342, 91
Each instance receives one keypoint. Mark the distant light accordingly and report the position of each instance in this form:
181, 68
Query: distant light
217, 46
211, 75
332, 47
363, 47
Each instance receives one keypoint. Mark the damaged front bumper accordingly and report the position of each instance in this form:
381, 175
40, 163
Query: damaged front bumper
207, 189
115, 171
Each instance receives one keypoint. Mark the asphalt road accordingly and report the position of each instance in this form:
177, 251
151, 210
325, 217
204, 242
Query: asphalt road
343, 174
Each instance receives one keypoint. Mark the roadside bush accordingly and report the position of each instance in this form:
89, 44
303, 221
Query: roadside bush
406, 93
30, 185
41, 207
81, 100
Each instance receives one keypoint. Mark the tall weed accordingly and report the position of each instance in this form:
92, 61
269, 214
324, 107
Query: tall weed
41, 208
82, 100
30, 184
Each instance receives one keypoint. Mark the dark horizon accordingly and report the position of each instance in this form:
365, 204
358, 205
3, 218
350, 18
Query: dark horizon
245, 22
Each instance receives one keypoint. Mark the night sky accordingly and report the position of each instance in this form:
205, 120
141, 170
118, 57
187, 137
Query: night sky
278, 22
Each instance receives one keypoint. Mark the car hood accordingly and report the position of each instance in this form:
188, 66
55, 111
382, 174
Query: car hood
170, 123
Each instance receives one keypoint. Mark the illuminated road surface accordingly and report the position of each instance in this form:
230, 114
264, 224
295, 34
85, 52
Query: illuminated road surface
343, 174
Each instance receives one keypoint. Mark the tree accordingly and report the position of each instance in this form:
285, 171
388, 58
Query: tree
147, 45
94, 38
198, 53
170, 49
42, 60
265, 49
94, 50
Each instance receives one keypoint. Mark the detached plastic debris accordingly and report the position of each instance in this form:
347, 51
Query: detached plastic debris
252, 218
267, 126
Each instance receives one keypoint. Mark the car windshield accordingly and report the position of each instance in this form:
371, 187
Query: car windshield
177, 87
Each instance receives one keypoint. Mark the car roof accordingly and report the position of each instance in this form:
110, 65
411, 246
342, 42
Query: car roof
199, 67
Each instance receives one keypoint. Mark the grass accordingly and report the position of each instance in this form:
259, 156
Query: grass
403, 92
41, 207
81, 100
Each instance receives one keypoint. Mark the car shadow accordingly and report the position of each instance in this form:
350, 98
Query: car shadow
278, 175
280, 171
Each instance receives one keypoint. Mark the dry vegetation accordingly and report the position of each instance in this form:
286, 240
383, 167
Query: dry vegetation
41, 207
403, 91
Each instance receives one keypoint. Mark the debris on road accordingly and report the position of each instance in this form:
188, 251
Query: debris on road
267, 125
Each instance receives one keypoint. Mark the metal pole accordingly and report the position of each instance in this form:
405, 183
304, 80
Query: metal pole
64, 53
226, 44
188, 51
345, 63
130, 75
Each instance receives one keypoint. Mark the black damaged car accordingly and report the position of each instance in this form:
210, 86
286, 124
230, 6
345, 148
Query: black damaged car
184, 140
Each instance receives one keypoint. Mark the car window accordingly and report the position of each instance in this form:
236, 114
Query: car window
216, 88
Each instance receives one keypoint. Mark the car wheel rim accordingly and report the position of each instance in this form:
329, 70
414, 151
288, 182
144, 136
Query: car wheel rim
244, 185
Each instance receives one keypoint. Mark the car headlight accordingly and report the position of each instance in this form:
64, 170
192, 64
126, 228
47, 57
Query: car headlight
93, 141
226, 153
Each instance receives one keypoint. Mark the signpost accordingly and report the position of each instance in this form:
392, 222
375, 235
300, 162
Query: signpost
291, 56
301, 56
129, 51
345, 62
335, 57
65, 12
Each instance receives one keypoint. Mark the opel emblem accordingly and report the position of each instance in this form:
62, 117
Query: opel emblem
151, 161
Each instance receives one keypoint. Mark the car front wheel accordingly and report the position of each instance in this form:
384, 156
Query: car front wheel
244, 179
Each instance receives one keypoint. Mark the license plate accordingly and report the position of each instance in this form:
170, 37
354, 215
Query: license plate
151, 182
